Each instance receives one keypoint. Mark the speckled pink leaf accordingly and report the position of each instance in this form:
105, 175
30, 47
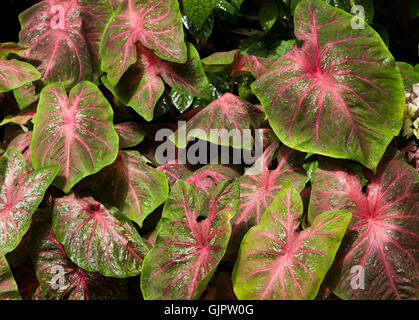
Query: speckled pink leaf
338, 94
14, 74
259, 188
130, 134
228, 115
383, 236
143, 83
20, 192
278, 261
96, 239
131, 185
156, 24
49, 259
64, 37
75, 131
258, 65
187, 251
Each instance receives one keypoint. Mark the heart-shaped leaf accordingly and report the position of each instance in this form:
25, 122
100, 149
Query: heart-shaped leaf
261, 184
14, 74
339, 94
131, 185
20, 193
96, 239
187, 251
277, 261
61, 279
63, 38
382, 237
75, 131
156, 24
142, 85
228, 116
8, 287
130, 134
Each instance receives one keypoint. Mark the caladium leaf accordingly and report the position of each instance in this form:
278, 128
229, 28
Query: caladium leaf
21, 193
342, 81
142, 85
175, 171
61, 279
207, 177
258, 65
187, 251
96, 239
10, 47
14, 74
130, 134
383, 235
26, 95
21, 118
276, 261
349, 6
64, 37
228, 115
156, 24
235, 63
8, 287
75, 131
409, 74
260, 185
231, 62
131, 185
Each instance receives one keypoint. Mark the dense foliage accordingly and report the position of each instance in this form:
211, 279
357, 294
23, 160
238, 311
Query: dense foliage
209, 149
